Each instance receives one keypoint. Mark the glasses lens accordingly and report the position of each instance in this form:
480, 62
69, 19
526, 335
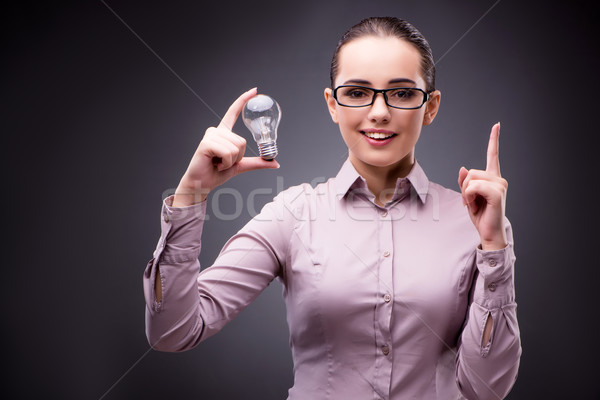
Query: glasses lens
354, 96
405, 98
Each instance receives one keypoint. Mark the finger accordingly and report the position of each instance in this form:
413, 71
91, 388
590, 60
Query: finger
253, 163
492, 192
493, 159
222, 134
237, 141
477, 174
462, 175
224, 147
234, 110
224, 152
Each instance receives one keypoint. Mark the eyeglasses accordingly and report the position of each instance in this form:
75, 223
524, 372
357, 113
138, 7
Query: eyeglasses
362, 96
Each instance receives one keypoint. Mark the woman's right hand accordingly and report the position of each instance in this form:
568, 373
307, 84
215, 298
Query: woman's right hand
218, 158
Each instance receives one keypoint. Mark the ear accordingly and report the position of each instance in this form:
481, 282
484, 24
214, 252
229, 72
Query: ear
331, 104
431, 107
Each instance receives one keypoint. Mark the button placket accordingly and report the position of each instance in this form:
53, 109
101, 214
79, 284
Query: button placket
384, 302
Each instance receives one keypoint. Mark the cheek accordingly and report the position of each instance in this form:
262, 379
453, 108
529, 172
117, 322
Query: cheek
348, 127
414, 119
348, 120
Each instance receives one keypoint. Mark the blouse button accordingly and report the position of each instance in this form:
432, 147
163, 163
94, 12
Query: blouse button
386, 253
385, 350
492, 287
492, 263
387, 298
384, 214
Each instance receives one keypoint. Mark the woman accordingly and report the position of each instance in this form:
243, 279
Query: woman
395, 287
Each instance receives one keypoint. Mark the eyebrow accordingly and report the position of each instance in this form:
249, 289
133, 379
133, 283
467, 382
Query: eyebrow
365, 82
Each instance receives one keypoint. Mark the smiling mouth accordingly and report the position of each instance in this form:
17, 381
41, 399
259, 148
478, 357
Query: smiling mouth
378, 135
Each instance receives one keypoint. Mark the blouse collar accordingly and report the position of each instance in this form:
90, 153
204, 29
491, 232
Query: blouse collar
348, 179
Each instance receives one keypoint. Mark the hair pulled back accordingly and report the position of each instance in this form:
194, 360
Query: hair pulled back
389, 27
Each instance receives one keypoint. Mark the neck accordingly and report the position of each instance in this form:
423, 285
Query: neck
381, 180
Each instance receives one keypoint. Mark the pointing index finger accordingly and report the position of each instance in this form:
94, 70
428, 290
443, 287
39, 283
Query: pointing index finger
493, 159
234, 110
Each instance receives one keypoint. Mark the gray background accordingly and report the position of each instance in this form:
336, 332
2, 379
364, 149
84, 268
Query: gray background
97, 128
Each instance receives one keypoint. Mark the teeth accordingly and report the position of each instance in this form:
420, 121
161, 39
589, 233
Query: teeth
378, 135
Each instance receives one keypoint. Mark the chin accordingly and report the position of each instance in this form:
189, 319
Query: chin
379, 160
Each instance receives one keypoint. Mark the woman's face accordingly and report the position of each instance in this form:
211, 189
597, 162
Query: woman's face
380, 63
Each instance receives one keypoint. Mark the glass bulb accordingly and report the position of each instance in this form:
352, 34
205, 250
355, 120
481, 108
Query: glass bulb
261, 115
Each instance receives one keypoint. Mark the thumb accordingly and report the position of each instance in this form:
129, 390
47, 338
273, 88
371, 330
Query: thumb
253, 163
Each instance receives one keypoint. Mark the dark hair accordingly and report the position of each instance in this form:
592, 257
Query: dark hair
389, 27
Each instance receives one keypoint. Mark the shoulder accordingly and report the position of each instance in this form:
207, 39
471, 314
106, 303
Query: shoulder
447, 207
444, 195
299, 194
301, 199
448, 203
294, 195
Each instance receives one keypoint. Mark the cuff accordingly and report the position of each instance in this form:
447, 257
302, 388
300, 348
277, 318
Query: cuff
494, 286
181, 230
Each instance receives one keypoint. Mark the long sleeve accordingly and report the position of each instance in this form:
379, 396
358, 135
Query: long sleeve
378, 299
489, 370
194, 304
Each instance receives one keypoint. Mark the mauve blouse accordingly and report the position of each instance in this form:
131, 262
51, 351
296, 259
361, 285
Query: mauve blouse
382, 302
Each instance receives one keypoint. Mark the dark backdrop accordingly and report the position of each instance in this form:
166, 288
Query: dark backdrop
103, 104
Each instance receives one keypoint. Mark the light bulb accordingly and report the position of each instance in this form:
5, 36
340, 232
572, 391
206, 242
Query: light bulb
261, 115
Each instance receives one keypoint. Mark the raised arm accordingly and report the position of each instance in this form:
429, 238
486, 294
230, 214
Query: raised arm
490, 345
170, 279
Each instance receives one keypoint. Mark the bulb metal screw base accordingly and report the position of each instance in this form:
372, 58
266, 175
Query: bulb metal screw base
268, 151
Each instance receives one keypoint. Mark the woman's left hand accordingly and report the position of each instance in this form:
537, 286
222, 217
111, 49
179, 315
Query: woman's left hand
484, 194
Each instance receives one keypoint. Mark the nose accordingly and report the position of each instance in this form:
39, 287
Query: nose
379, 110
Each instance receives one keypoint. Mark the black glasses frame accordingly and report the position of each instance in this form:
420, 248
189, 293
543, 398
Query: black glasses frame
384, 93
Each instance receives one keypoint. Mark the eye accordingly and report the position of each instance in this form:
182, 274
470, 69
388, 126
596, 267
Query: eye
355, 93
402, 94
